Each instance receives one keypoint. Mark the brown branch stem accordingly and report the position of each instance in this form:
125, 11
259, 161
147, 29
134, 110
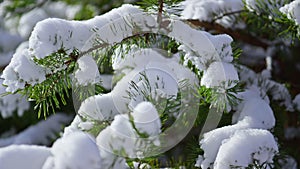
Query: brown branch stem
236, 34
228, 14
160, 10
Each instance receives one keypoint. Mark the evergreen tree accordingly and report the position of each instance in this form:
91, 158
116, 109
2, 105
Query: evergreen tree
167, 83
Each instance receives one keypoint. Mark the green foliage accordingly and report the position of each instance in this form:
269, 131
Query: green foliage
148, 4
220, 97
267, 18
51, 93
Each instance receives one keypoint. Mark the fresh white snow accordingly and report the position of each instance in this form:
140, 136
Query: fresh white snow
41, 133
23, 156
292, 10
77, 150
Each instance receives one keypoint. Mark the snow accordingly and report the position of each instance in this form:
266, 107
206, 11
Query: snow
22, 69
20, 28
28, 21
292, 10
23, 156
98, 107
121, 138
73, 127
118, 138
77, 150
291, 133
106, 81
41, 133
266, 87
222, 44
212, 141
207, 10
220, 51
255, 144
215, 139
11, 103
259, 111
296, 102
254, 5
134, 58
48, 35
60, 9
146, 118
220, 74
252, 114
288, 163
8, 41
87, 72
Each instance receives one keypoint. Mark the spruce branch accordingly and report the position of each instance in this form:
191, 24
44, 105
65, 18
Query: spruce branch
228, 14
21, 7
160, 10
236, 34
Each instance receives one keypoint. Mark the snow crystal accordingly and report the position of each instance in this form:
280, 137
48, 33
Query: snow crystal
77, 150
220, 74
292, 10
244, 147
23, 156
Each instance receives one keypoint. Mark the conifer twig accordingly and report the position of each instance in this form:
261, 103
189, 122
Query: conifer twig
236, 34
160, 10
